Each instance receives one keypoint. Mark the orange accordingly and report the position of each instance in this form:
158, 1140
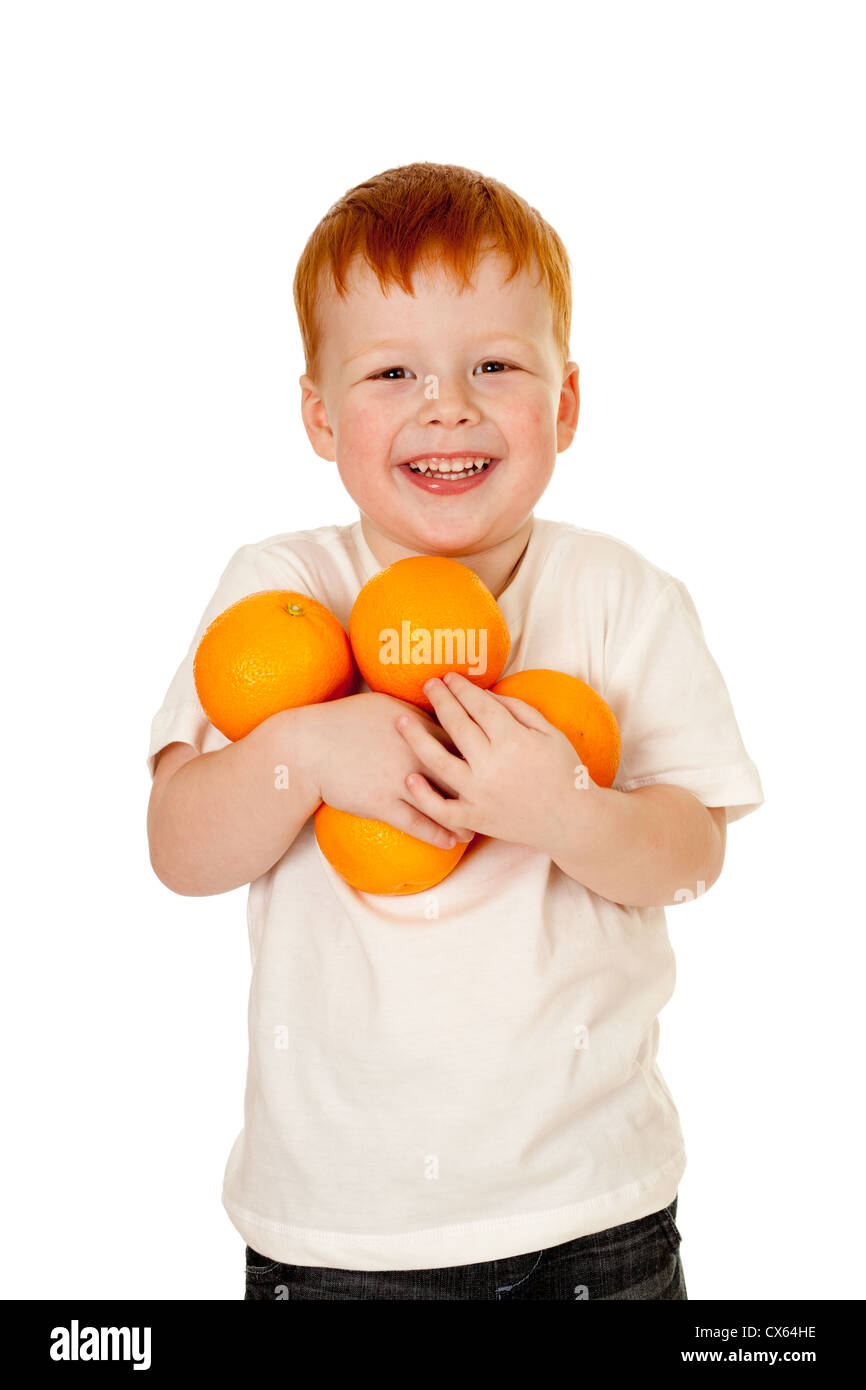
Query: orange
374, 857
421, 617
577, 711
270, 651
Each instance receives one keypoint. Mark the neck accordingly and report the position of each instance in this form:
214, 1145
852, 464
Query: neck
495, 566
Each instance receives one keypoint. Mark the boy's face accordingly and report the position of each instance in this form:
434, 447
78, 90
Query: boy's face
444, 372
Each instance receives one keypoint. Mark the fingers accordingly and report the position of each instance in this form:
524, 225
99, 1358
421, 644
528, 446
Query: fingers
526, 714
466, 734
445, 811
414, 822
455, 693
445, 767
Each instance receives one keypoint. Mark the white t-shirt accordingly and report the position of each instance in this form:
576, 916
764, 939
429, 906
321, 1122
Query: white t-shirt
458, 1076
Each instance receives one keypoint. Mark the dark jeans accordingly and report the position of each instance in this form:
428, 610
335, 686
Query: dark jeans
639, 1260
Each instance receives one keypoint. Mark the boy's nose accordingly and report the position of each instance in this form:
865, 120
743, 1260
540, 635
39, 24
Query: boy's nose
446, 404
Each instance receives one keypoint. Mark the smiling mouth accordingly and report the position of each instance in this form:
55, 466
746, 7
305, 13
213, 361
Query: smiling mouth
448, 475
464, 467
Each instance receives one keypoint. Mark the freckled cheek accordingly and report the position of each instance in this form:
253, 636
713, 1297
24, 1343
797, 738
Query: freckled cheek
527, 411
528, 428
362, 434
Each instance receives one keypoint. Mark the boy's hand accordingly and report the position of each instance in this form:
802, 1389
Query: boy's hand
516, 779
356, 761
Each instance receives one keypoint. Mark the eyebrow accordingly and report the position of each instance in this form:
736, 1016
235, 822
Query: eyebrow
374, 347
399, 342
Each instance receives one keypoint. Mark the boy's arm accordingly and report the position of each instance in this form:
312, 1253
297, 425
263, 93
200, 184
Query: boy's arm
652, 847
216, 821
221, 819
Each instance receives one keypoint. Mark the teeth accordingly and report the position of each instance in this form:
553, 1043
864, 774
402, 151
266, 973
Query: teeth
456, 468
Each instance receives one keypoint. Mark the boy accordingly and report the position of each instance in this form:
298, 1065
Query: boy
455, 1095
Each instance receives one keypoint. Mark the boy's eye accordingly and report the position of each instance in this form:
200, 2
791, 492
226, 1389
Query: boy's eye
393, 373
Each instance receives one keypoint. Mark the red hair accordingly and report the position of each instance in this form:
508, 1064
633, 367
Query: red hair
406, 217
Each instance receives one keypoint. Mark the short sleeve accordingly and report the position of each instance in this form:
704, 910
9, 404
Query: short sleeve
677, 724
180, 717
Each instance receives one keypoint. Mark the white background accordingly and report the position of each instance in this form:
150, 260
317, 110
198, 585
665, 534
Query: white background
162, 168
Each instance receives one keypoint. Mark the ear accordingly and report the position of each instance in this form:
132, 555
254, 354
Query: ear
315, 418
569, 407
